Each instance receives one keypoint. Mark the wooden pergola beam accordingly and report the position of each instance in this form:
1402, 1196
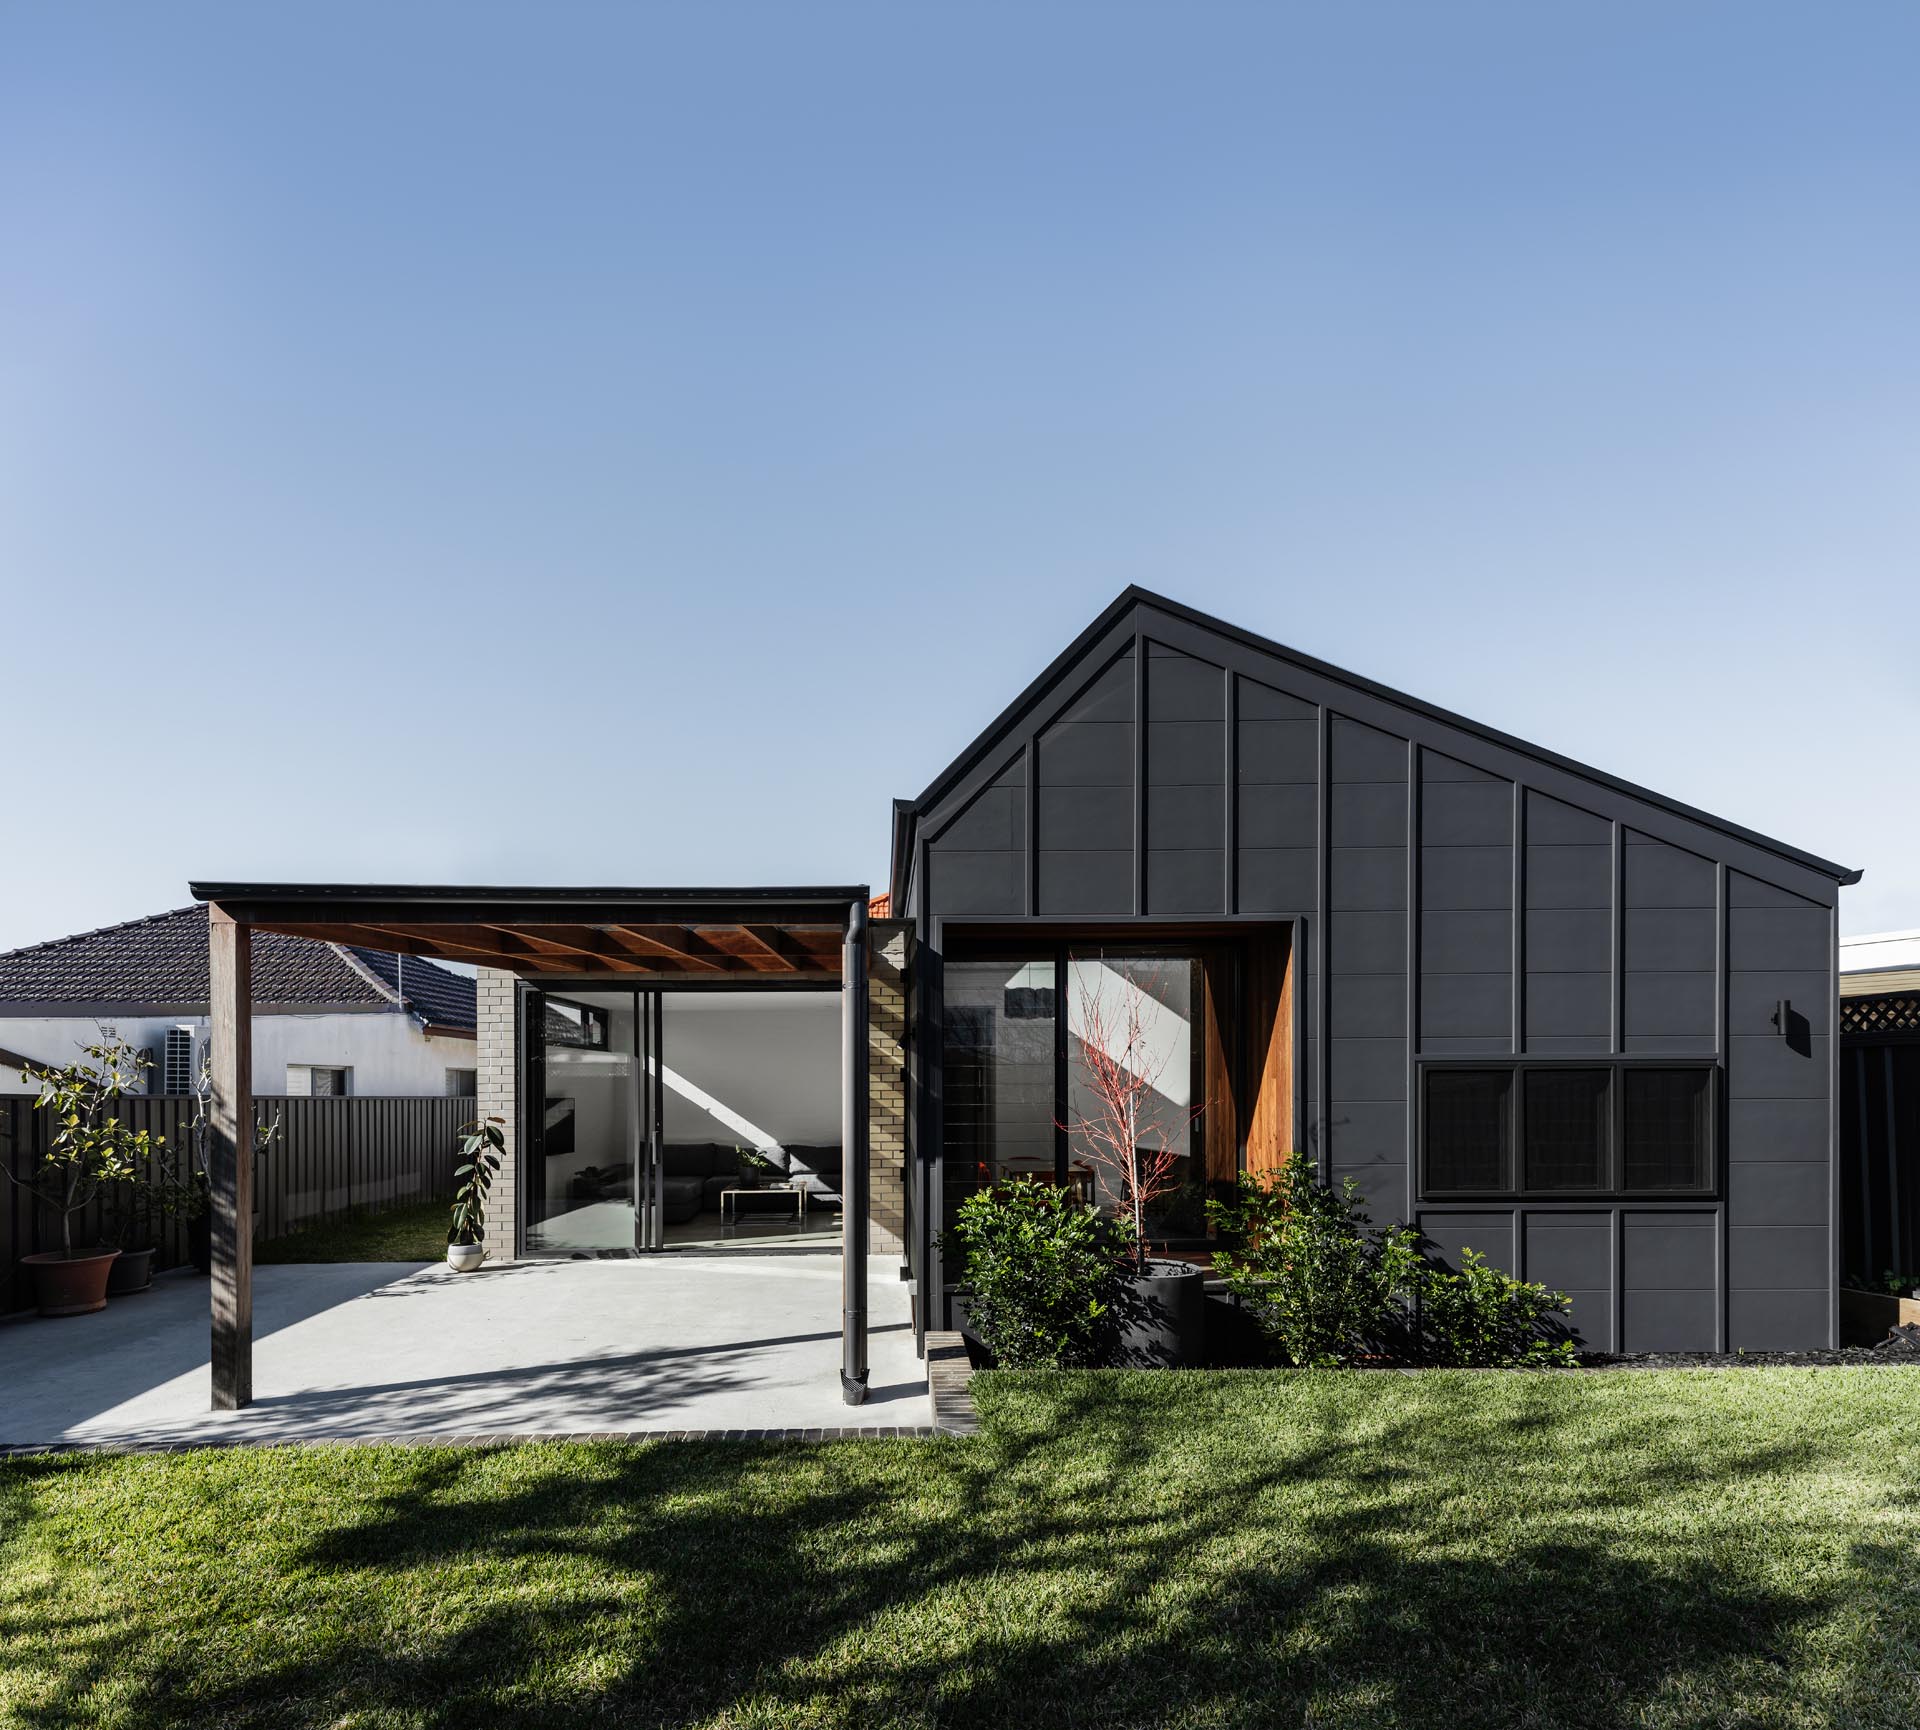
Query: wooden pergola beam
674, 942
778, 947
230, 1156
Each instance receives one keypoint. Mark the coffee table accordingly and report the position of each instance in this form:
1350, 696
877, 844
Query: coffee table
730, 1204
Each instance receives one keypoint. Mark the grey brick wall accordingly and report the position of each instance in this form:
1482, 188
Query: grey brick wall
887, 1087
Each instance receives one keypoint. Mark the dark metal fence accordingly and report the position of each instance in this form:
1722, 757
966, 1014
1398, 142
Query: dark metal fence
1880, 1136
330, 1157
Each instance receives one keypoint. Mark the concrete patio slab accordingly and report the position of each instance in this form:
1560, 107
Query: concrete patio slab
367, 1350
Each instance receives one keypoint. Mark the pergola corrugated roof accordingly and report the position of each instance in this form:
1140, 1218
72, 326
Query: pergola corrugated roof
709, 934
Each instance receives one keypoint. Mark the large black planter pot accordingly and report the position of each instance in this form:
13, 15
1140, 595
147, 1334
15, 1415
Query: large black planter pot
1166, 1323
132, 1272
200, 1241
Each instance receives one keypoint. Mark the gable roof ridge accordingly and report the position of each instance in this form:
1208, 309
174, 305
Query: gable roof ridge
346, 953
1133, 597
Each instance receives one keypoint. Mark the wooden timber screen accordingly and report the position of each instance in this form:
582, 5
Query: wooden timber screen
1880, 1136
330, 1157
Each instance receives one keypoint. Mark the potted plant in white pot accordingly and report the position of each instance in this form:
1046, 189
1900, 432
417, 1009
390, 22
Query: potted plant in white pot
1131, 1129
89, 1147
481, 1144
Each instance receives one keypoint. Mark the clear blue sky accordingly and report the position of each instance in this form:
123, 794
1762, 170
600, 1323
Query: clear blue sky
474, 443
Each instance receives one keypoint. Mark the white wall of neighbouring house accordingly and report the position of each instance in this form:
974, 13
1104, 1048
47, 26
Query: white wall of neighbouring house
386, 1051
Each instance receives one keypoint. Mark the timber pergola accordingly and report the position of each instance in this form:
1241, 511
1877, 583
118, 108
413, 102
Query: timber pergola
713, 938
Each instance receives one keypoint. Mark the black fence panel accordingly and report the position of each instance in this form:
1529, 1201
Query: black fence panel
1880, 1158
328, 1157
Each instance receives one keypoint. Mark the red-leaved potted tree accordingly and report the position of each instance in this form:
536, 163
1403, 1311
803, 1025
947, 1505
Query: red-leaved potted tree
90, 1146
1131, 1129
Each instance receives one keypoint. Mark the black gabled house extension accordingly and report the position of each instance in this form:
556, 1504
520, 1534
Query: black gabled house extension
1540, 1013
1533, 1009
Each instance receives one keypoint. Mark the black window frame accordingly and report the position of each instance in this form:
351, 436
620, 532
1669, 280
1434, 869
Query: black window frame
1615, 1188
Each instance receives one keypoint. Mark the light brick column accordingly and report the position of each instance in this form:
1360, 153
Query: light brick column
887, 1087
495, 1057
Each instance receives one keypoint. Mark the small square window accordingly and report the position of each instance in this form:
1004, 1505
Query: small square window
1566, 1133
1668, 1122
1469, 1134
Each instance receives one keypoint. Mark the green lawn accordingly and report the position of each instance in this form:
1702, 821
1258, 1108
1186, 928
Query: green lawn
414, 1233
1128, 1550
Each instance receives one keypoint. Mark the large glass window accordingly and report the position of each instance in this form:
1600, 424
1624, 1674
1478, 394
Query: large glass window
999, 1072
580, 1199
1046, 1057
1618, 1128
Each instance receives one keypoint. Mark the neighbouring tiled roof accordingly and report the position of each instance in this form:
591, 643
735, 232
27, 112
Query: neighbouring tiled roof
880, 907
162, 960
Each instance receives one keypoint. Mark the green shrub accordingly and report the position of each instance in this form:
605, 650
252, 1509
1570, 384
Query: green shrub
1046, 1276
1316, 1281
1480, 1317
1327, 1289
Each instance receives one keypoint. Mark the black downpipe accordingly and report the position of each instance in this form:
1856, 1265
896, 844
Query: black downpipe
854, 1161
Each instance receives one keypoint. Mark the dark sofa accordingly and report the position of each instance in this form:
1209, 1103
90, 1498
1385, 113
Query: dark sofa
697, 1171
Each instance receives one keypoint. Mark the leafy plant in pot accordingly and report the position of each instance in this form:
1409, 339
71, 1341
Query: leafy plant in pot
1131, 1129
481, 1144
89, 1148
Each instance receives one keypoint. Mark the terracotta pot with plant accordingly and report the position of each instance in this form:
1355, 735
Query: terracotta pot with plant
90, 1147
481, 1144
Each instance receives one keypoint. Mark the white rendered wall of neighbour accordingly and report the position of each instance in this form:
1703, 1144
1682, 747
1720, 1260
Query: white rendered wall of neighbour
387, 1053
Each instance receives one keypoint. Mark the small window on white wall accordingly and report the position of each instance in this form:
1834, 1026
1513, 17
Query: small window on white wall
462, 1083
319, 1081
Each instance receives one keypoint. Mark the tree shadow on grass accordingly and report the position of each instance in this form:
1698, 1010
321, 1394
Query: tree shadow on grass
1092, 1560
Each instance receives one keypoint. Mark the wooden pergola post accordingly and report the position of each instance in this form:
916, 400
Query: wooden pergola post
230, 1156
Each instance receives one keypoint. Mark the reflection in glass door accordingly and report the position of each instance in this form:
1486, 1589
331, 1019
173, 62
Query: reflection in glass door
584, 1066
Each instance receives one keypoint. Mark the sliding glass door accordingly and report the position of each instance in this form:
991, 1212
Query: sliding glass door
586, 1064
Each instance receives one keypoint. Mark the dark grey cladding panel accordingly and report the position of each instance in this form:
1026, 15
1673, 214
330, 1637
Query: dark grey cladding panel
1491, 1233
1369, 1005
1780, 1192
1569, 1251
1186, 753
1186, 816
1668, 1321
1087, 754
1274, 815
1367, 1069
1278, 880
1380, 1189
1671, 1003
1438, 767
1370, 814
1465, 813
1569, 876
1658, 875
1367, 943
1778, 1257
1279, 751
1185, 880
1258, 702
1559, 1004
1569, 1044
1087, 817
996, 818
1463, 879
1476, 1006
1108, 697
960, 881
1745, 891
1769, 1129
1465, 942
1765, 1066
1181, 688
1085, 882
1669, 1252
1782, 938
1672, 939
1752, 998
1368, 877
1569, 940
1373, 1133
1778, 1321
1667, 1045
1550, 823
1363, 753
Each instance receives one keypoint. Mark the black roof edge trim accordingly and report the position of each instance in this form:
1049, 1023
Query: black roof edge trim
1135, 596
